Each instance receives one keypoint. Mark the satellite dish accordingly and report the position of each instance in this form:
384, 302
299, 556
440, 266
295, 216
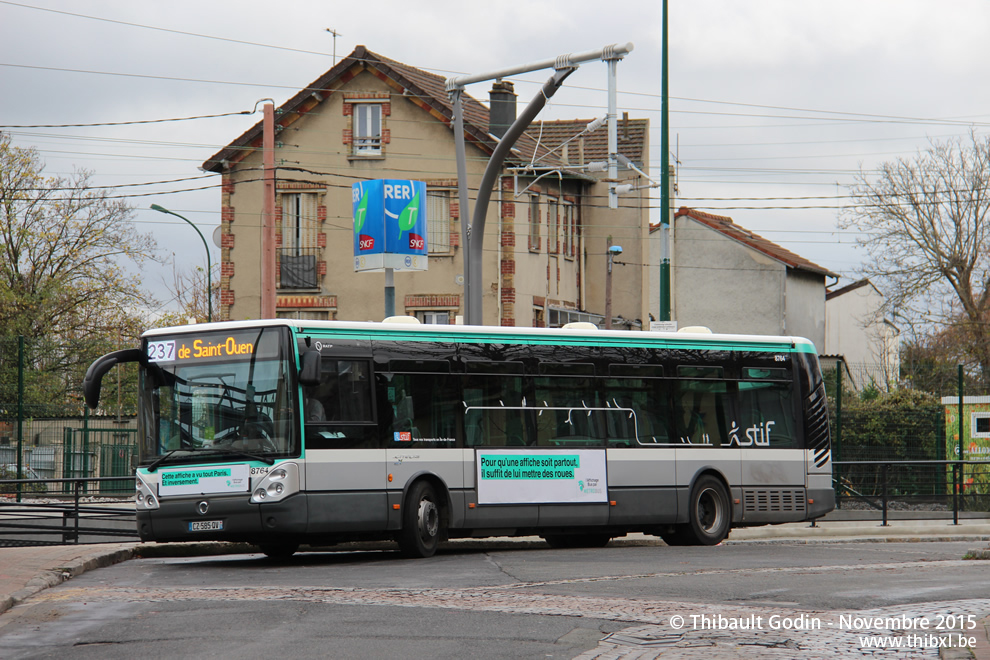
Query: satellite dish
216, 237
459, 280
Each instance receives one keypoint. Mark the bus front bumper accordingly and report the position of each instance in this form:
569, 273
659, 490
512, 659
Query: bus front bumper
225, 518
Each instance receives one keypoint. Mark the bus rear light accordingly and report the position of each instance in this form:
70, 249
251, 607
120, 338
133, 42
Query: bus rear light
810, 501
612, 503
471, 505
390, 478
395, 507
737, 501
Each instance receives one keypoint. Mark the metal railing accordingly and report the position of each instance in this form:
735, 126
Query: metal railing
32, 515
924, 486
299, 268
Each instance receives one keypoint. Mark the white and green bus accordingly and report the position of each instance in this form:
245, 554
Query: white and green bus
281, 433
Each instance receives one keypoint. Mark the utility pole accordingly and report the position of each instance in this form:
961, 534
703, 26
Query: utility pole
664, 176
268, 216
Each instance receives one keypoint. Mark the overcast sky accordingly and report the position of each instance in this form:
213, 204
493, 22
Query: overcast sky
775, 104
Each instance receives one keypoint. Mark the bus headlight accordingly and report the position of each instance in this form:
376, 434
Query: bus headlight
144, 497
278, 484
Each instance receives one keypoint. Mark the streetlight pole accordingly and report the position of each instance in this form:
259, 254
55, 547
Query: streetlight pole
209, 266
613, 251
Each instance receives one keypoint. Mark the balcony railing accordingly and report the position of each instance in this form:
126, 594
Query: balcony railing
298, 268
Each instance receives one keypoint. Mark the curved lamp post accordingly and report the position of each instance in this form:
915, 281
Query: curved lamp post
209, 267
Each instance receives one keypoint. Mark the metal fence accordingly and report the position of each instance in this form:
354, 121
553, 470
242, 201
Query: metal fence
930, 488
31, 515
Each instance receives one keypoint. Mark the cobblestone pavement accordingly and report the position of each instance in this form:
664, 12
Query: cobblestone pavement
662, 629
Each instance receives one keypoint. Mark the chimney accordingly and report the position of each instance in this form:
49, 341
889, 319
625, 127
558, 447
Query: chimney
502, 107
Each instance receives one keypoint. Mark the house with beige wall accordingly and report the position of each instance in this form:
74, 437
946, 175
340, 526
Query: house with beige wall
370, 117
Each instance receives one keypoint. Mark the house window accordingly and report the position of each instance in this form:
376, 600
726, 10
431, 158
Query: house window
569, 230
534, 222
367, 129
433, 317
553, 244
438, 221
299, 253
305, 315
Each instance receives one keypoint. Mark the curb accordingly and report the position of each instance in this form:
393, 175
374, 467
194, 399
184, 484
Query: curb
54, 576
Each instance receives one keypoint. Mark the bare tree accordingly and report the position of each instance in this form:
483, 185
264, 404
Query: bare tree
64, 247
188, 289
925, 223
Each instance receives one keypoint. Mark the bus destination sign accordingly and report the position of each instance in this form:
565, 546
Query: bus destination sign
211, 347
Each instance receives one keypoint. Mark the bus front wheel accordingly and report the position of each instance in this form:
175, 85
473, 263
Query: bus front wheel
710, 514
420, 533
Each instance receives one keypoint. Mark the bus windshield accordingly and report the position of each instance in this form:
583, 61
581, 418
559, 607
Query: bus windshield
218, 395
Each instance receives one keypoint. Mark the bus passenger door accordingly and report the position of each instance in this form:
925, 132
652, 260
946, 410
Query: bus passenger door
345, 463
420, 414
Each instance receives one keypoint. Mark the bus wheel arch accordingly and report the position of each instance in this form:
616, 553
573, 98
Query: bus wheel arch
425, 517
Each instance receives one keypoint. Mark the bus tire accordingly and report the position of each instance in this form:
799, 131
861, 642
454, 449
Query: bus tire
710, 516
420, 533
279, 550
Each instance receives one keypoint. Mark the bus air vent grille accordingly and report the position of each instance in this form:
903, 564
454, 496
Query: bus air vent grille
775, 501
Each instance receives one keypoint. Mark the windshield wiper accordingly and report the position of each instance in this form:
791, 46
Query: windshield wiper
237, 452
161, 459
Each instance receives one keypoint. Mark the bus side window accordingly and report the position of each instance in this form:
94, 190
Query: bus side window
425, 407
492, 411
338, 412
701, 409
343, 395
767, 414
641, 417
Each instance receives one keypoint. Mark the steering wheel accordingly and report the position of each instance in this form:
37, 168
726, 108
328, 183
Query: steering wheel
260, 430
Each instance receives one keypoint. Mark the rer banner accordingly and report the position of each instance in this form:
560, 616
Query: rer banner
389, 225
532, 476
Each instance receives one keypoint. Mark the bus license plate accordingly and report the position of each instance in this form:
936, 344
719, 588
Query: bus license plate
206, 526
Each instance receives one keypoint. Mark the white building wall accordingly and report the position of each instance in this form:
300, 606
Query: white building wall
724, 285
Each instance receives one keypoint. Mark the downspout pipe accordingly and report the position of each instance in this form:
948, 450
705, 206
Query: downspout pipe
473, 283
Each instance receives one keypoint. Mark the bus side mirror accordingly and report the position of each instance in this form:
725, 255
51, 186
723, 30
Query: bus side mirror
310, 368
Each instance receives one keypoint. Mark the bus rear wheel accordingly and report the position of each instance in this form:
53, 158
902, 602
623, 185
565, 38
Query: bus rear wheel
420, 533
710, 515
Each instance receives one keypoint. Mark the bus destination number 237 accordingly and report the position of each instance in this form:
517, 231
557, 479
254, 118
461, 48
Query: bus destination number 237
161, 351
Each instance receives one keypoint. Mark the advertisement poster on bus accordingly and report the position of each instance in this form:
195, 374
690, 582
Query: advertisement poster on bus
390, 225
527, 476
202, 480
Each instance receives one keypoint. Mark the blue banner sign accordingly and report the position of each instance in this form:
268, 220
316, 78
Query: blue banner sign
389, 225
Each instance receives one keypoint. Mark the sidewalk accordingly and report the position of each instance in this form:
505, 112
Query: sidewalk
24, 571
